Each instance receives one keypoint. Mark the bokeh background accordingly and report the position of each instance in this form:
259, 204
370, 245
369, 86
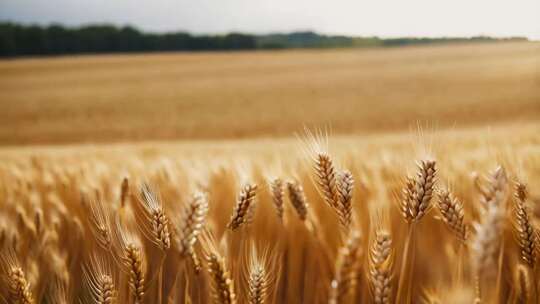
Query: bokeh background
99, 72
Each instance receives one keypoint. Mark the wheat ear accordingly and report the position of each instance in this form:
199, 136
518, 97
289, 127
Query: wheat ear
137, 270
416, 202
258, 280
345, 186
496, 187
152, 218
19, 288
99, 281
278, 194
523, 228
452, 214
326, 179
132, 260
222, 284
192, 223
298, 199
486, 240
417, 192
380, 272
99, 222
485, 244
346, 269
155, 225
242, 207
124, 191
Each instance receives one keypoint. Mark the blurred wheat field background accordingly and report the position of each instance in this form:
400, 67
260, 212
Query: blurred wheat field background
204, 187
250, 94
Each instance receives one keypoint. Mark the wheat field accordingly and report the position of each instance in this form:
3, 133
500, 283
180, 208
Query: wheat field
252, 94
434, 199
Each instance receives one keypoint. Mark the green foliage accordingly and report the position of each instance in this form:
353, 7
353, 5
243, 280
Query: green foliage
21, 40
302, 40
17, 40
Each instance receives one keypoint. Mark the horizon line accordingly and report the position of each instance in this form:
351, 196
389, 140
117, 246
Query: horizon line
264, 33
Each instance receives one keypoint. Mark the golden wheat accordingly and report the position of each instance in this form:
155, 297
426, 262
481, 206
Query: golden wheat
80, 230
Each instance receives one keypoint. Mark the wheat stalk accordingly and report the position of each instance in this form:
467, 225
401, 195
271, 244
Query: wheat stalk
57, 292
523, 284
194, 257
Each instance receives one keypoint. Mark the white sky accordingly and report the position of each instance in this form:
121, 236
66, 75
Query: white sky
386, 18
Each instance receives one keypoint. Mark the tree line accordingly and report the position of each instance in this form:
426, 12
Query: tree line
16, 40
33, 40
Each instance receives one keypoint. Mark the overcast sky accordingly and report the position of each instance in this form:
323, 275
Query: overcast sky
387, 18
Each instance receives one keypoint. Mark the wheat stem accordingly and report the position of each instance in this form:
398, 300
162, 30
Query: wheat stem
405, 273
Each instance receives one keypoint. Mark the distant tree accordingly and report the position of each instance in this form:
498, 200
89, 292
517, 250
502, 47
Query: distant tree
8, 44
20, 40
